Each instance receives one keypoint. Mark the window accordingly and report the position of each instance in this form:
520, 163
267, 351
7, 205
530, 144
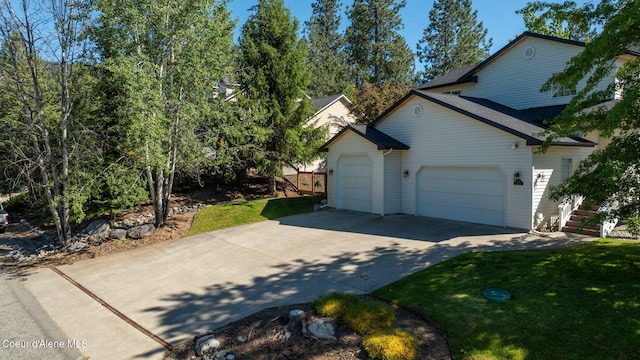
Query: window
559, 91
567, 168
453, 92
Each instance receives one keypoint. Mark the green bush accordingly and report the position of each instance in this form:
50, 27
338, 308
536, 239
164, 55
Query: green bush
334, 304
633, 226
369, 317
391, 344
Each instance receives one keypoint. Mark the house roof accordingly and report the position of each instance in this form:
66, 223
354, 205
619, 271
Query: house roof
467, 74
326, 101
512, 121
382, 140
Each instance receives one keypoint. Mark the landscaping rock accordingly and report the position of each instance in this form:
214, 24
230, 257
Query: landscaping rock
118, 234
77, 247
141, 231
322, 330
206, 344
97, 228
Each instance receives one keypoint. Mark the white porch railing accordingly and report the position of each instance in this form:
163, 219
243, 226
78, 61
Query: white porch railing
566, 208
608, 225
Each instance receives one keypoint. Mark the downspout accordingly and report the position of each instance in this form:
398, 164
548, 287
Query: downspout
384, 154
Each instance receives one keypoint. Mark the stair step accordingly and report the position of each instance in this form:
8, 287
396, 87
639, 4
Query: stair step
577, 223
583, 231
585, 213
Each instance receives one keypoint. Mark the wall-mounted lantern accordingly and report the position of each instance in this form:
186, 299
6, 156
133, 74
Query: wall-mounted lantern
405, 173
330, 171
514, 145
516, 179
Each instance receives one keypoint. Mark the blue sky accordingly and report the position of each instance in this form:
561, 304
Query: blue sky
498, 17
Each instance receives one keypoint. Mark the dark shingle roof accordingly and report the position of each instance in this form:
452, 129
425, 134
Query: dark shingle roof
537, 115
323, 102
382, 140
493, 114
451, 78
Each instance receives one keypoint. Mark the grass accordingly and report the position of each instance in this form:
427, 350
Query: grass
228, 215
577, 303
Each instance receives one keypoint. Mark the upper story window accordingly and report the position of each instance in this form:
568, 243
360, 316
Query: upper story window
558, 91
453, 92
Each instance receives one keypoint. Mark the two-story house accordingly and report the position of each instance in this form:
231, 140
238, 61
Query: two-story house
464, 146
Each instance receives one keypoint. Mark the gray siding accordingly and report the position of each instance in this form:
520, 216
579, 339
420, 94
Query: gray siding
392, 182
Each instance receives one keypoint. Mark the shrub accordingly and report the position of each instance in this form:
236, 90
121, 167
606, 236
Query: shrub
633, 226
391, 344
334, 304
369, 317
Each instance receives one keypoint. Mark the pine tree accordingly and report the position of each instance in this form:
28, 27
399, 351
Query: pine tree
453, 39
325, 58
376, 51
275, 79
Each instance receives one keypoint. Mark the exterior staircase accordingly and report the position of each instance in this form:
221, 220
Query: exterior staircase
575, 224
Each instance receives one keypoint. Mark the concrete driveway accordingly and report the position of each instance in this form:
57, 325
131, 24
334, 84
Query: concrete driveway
177, 289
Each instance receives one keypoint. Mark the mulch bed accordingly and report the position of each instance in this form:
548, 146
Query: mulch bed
261, 331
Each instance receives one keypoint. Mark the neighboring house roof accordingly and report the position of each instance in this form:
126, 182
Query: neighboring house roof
326, 101
504, 118
382, 140
536, 115
468, 74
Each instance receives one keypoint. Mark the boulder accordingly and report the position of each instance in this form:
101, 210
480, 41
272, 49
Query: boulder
118, 234
206, 344
141, 231
97, 228
322, 330
77, 247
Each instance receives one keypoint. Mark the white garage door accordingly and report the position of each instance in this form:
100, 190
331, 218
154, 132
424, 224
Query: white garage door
473, 194
354, 183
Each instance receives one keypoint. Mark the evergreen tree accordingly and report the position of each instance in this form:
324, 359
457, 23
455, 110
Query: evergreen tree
325, 58
275, 80
453, 39
376, 51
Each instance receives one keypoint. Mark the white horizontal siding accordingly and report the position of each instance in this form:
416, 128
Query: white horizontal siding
392, 182
442, 137
351, 144
336, 116
512, 80
549, 165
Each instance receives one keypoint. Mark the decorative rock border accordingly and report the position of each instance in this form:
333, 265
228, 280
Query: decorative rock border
96, 233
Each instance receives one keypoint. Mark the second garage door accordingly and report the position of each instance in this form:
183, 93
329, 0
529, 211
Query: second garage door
473, 194
355, 183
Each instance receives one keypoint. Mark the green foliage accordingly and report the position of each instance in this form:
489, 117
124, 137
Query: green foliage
335, 304
453, 39
369, 317
597, 281
161, 61
610, 174
608, 177
372, 100
633, 226
374, 46
391, 344
275, 78
564, 20
325, 58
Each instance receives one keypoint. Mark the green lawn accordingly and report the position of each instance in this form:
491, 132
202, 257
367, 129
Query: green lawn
228, 215
576, 303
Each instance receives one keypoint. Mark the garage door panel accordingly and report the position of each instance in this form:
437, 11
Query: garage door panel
355, 183
467, 200
463, 186
473, 194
